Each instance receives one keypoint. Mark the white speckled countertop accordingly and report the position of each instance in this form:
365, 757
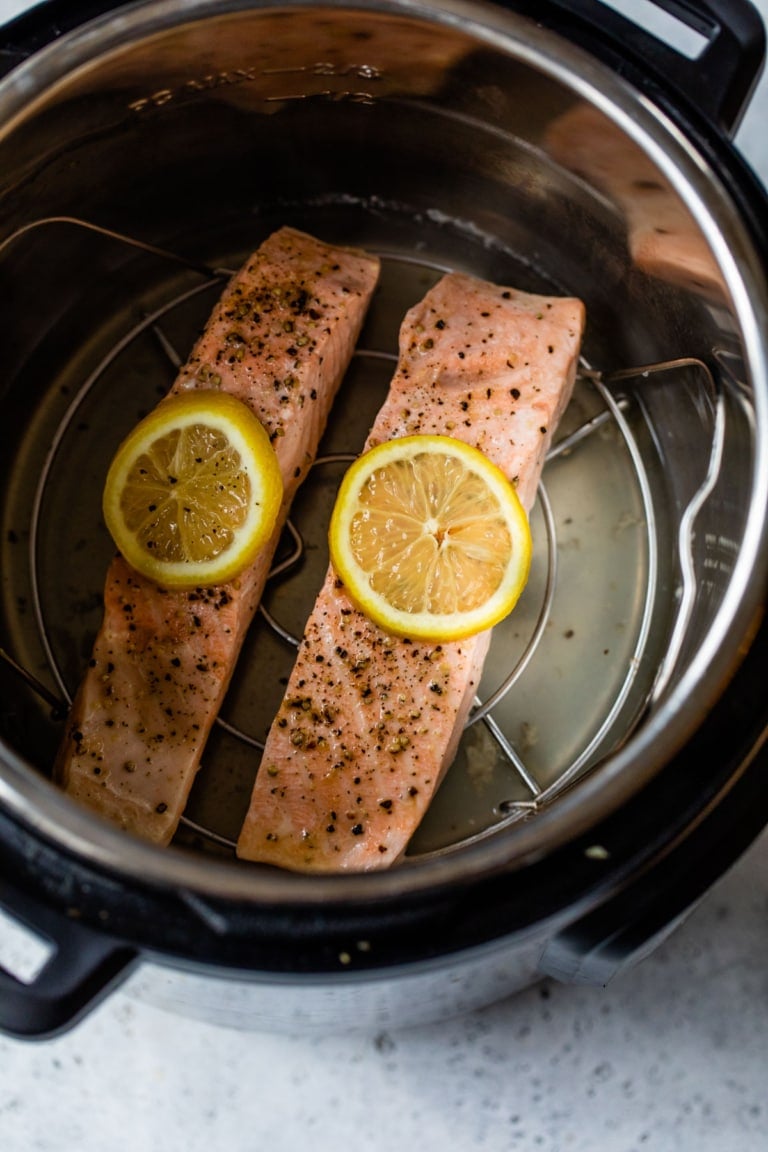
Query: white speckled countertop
671, 1057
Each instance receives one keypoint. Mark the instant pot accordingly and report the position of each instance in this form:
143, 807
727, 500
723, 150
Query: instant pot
614, 764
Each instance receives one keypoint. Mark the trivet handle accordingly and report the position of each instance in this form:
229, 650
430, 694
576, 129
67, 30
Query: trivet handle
717, 83
82, 968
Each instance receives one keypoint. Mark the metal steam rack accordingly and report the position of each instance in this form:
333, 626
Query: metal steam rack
614, 403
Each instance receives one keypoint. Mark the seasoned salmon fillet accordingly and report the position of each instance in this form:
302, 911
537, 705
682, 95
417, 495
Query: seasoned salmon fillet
369, 723
280, 339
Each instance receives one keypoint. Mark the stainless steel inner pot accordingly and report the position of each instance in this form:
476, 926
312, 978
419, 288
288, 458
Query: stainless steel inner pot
146, 154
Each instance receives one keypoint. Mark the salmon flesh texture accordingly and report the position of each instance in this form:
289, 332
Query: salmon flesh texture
280, 339
369, 723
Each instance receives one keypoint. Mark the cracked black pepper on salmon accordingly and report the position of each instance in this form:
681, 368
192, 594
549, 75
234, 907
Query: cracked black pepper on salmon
369, 723
280, 338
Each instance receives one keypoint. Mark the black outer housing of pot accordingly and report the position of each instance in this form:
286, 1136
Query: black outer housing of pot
603, 917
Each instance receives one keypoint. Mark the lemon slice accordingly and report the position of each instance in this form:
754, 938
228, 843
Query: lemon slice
430, 538
194, 490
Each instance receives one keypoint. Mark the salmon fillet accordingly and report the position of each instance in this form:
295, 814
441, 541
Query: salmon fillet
280, 339
369, 723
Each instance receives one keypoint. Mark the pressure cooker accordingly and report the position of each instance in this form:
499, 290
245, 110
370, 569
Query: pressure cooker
613, 766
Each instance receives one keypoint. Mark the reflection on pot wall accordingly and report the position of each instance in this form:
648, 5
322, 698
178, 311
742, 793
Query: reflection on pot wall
663, 238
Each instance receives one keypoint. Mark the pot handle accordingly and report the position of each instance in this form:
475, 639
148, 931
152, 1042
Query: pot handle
718, 82
82, 968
